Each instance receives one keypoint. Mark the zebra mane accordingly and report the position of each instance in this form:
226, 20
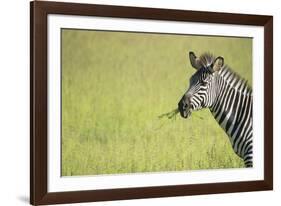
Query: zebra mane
207, 58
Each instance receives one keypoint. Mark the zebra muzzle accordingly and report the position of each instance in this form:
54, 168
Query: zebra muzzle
183, 109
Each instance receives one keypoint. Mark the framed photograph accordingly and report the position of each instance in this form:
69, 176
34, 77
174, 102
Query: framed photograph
131, 102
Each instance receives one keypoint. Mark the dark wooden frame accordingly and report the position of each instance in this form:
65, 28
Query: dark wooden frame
38, 102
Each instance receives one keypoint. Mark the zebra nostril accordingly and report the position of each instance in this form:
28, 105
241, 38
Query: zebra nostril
184, 106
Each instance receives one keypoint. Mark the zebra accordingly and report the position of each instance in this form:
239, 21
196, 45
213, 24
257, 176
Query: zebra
228, 96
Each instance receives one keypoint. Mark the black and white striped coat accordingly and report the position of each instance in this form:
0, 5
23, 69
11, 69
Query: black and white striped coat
229, 98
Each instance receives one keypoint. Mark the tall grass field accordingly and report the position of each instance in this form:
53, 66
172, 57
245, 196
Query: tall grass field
115, 85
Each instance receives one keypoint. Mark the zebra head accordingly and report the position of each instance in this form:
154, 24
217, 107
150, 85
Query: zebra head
202, 90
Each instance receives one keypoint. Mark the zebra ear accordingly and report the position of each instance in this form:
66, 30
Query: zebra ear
195, 62
218, 64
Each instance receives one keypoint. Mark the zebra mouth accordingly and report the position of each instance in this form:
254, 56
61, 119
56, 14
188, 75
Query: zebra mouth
184, 108
185, 113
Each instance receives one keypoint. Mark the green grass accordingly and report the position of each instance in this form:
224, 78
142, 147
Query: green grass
114, 87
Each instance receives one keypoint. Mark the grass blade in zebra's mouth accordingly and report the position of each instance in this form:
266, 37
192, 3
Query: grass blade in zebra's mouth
170, 114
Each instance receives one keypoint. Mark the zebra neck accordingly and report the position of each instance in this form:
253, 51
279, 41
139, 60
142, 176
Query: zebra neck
233, 99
